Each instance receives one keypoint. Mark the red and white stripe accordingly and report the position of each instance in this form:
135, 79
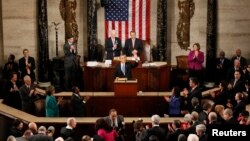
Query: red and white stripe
138, 21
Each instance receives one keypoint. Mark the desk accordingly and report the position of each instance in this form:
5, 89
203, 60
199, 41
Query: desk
150, 78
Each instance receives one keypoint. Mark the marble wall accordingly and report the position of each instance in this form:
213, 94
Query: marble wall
20, 27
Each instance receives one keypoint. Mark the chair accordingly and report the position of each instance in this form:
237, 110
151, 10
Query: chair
182, 67
40, 107
182, 62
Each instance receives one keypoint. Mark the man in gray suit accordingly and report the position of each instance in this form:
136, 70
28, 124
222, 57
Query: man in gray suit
69, 63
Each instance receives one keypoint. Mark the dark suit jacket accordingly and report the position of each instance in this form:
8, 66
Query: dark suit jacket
230, 73
128, 68
222, 68
27, 99
239, 108
69, 59
243, 61
109, 48
174, 136
66, 133
128, 48
8, 68
40, 137
193, 93
22, 67
222, 97
159, 132
238, 87
77, 105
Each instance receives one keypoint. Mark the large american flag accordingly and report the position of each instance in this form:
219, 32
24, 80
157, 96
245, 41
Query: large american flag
128, 15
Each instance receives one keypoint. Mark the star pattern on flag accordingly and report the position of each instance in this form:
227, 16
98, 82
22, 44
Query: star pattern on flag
117, 10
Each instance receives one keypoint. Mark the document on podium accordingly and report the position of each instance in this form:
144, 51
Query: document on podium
125, 80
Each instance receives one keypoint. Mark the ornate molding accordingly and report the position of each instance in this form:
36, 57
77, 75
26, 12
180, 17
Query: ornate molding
67, 10
186, 12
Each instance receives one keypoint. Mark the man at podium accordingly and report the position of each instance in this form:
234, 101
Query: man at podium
123, 69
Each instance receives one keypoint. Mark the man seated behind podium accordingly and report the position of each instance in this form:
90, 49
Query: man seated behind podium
123, 69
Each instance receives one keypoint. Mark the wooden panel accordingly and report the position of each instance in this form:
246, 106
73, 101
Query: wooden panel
125, 88
149, 78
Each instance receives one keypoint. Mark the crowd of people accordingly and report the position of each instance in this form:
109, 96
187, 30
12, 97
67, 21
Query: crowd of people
224, 107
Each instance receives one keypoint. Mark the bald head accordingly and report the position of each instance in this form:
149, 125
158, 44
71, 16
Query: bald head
33, 127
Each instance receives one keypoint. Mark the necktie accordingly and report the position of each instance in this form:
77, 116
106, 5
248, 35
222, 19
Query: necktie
133, 43
234, 83
113, 123
123, 68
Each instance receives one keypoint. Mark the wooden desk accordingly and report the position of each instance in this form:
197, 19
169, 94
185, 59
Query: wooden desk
125, 88
150, 78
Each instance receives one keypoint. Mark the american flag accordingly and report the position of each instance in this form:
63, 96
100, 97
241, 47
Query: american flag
128, 15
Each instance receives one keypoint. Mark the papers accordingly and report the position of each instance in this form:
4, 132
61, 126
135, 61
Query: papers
154, 64
92, 63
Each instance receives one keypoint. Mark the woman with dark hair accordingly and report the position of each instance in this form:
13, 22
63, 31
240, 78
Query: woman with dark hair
221, 97
52, 109
105, 131
16, 129
174, 102
195, 62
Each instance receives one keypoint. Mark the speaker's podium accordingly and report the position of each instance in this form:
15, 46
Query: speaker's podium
124, 87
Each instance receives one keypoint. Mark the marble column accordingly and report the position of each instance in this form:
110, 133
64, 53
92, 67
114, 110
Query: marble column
211, 38
43, 57
162, 29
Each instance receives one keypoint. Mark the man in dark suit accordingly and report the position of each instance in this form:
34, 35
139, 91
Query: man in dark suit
174, 130
113, 46
236, 85
117, 122
78, 103
243, 60
222, 66
123, 70
27, 65
68, 131
236, 67
70, 63
133, 46
156, 130
194, 91
27, 94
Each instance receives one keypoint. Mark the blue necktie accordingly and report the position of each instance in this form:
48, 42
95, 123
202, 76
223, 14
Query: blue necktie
123, 68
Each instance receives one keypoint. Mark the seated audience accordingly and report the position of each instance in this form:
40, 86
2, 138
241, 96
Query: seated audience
78, 102
10, 66
174, 102
41, 135
52, 109
156, 130
203, 116
68, 131
212, 119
